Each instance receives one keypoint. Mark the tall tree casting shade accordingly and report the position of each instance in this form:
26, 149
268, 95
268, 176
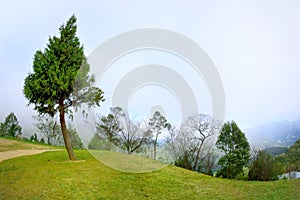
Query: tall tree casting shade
60, 79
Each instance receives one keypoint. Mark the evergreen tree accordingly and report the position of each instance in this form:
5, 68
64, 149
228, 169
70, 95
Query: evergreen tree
60, 79
233, 143
10, 126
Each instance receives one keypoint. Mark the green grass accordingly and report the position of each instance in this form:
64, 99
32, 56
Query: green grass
51, 176
9, 144
127, 163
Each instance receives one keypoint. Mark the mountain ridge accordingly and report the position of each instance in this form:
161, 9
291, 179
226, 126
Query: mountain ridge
282, 133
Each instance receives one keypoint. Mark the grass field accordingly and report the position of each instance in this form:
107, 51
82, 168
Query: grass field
7, 144
51, 176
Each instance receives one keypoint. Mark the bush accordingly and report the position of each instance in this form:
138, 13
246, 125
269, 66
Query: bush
10, 126
42, 140
97, 143
75, 140
243, 175
263, 167
33, 138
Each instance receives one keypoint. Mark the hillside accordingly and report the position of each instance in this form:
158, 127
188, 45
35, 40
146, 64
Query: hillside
51, 176
8, 144
279, 133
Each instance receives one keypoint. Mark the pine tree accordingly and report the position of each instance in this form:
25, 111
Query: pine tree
233, 143
60, 79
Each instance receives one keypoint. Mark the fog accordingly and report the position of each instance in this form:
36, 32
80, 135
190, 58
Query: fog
254, 45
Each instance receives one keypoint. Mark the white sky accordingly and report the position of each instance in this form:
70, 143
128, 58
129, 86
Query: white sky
255, 46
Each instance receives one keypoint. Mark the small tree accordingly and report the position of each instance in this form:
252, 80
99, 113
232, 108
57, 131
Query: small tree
108, 128
48, 127
60, 79
42, 141
233, 143
175, 143
263, 167
131, 135
10, 126
97, 143
157, 123
200, 128
210, 162
34, 138
74, 138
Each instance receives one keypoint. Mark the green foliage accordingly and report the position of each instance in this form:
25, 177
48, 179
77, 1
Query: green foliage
49, 128
42, 140
61, 74
118, 129
263, 167
233, 143
98, 143
275, 151
10, 126
209, 163
243, 175
34, 138
185, 160
95, 143
293, 156
60, 78
157, 123
108, 128
75, 139
290, 160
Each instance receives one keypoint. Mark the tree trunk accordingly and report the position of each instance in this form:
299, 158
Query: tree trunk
198, 155
154, 152
48, 140
64, 131
154, 146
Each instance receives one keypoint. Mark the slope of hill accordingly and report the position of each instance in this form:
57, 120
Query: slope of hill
275, 151
281, 133
9, 144
51, 176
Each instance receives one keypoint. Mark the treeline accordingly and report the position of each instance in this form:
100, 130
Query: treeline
47, 131
191, 146
201, 144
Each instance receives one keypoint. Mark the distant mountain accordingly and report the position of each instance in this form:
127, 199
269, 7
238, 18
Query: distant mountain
275, 151
280, 133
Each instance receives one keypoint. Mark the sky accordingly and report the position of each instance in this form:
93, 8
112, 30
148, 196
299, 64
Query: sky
254, 45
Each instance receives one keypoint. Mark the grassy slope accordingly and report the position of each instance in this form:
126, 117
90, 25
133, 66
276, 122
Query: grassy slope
8, 144
50, 176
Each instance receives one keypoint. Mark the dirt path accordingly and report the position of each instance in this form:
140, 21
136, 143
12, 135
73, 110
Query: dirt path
16, 153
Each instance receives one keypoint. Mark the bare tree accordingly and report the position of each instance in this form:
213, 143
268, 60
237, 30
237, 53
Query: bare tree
192, 144
209, 161
199, 128
131, 134
172, 143
178, 142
